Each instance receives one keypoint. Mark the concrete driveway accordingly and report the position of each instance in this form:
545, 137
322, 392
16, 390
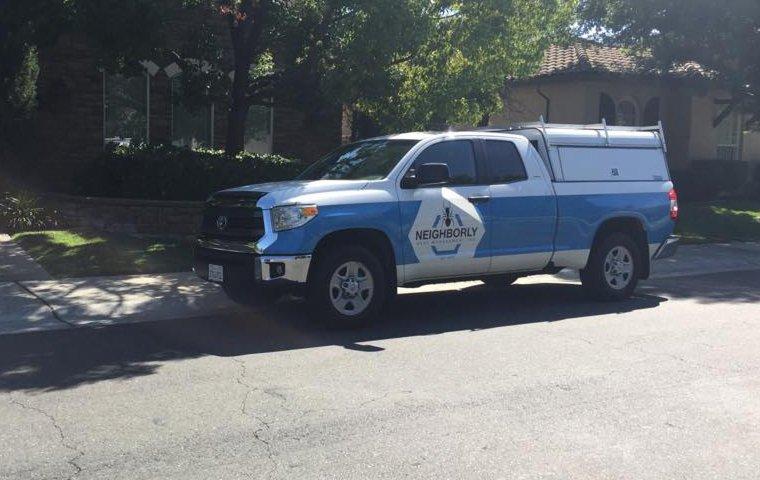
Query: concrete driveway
458, 381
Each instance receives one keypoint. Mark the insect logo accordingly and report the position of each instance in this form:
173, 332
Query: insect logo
447, 216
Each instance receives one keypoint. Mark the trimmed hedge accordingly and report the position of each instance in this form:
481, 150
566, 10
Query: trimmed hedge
161, 172
710, 179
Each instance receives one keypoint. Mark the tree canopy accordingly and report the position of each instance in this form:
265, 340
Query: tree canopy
407, 64
120, 32
723, 37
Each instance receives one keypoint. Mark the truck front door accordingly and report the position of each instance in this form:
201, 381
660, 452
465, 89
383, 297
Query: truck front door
446, 225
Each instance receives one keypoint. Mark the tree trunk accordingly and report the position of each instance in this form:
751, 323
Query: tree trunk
238, 112
245, 26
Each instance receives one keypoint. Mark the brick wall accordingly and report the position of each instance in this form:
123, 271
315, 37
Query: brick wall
69, 123
125, 215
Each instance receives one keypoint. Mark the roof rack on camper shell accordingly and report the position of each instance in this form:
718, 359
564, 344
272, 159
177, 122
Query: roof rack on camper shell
552, 131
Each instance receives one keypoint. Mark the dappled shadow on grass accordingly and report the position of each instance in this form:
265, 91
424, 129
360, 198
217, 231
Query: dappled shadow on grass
78, 254
63, 359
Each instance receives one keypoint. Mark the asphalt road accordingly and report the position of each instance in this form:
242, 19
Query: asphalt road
460, 382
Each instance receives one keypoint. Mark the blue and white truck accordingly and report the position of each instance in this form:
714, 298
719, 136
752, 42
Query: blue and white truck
416, 208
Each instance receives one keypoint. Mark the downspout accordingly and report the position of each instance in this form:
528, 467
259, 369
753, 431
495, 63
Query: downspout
548, 103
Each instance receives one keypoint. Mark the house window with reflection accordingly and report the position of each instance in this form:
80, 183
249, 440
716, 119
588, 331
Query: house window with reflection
607, 111
125, 109
626, 113
258, 130
192, 125
728, 136
652, 112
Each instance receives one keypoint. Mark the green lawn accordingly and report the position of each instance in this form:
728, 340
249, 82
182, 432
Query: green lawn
719, 221
65, 253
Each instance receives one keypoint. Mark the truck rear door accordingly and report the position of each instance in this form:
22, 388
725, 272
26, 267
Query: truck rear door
523, 210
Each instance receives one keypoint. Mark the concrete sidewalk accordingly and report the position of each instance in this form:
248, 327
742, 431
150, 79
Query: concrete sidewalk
100, 301
16, 265
31, 305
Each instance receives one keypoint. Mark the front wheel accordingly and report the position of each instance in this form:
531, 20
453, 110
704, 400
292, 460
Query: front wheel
347, 287
612, 272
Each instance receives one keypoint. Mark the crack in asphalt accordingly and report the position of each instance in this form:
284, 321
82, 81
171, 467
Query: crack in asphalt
72, 461
633, 345
241, 379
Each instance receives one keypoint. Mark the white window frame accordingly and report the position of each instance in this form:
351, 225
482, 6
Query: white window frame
735, 120
270, 144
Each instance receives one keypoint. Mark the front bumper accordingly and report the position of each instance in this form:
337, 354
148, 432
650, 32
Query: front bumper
667, 248
242, 263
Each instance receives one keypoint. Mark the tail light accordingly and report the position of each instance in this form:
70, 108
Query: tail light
673, 196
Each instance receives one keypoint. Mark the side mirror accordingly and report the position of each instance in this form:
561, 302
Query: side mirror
433, 174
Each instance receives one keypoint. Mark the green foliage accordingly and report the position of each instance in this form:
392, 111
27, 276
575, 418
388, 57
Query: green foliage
457, 72
21, 211
171, 173
407, 64
121, 33
720, 36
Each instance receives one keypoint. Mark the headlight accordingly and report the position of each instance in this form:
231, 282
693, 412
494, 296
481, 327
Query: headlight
292, 216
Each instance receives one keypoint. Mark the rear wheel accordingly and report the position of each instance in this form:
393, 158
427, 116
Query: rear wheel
500, 281
612, 272
347, 287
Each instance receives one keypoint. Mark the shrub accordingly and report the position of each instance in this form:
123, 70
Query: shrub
21, 212
170, 173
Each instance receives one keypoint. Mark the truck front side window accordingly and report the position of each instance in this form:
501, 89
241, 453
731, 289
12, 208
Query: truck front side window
458, 155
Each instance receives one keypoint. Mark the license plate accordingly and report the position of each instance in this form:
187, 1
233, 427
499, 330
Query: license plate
216, 273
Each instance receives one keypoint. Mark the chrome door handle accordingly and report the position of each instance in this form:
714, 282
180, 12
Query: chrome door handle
478, 199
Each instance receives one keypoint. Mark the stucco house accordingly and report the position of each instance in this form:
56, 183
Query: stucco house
585, 82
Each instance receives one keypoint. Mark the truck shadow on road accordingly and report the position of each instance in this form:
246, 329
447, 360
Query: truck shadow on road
62, 359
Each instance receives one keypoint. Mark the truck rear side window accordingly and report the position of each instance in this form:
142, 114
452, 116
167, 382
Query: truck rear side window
504, 162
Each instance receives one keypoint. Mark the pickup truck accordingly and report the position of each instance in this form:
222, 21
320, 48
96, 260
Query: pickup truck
415, 208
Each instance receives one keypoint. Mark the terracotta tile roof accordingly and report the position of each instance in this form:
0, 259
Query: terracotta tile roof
589, 57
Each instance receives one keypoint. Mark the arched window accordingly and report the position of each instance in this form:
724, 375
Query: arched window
626, 113
652, 112
607, 109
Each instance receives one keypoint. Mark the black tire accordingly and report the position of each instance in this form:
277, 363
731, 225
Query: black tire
595, 276
320, 292
500, 281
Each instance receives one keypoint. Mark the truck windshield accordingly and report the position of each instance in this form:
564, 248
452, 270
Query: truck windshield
370, 160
